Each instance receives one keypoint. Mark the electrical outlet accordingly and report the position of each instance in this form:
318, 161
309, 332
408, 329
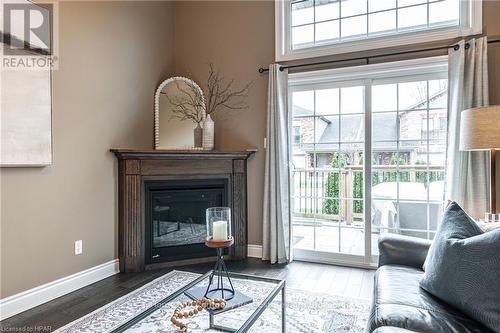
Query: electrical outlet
78, 247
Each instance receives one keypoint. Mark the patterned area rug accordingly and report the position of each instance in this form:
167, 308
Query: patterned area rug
306, 312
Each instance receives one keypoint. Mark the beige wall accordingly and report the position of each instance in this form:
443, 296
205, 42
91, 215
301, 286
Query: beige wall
238, 37
112, 57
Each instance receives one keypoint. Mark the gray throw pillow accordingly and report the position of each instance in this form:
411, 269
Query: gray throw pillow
462, 267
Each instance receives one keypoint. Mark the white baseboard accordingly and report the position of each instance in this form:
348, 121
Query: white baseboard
28, 299
255, 251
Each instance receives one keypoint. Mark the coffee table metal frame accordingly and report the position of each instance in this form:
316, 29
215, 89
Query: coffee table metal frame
280, 287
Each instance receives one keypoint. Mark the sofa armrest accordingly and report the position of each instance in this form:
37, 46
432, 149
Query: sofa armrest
395, 249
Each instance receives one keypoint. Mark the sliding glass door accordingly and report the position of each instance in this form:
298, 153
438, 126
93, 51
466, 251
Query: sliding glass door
408, 154
343, 200
328, 151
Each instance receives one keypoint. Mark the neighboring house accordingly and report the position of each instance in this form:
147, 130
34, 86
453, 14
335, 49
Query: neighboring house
322, 135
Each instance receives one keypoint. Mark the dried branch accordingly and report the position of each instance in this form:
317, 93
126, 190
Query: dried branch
222, 95
189, 104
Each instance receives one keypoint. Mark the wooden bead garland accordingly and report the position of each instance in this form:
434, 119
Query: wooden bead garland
194, 308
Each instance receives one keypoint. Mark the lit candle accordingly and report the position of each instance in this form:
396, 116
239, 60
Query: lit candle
220, 231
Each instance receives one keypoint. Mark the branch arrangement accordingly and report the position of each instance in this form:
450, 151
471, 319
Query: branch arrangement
222, 95
189, 105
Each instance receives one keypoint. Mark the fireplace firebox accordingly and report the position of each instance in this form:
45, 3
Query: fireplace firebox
175, 217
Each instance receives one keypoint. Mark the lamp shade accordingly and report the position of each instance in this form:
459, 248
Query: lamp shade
480, 128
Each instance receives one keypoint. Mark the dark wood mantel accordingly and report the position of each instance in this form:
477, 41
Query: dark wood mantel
137, 165
127, 154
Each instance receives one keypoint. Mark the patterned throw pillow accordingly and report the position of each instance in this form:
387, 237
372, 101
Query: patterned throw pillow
462, 267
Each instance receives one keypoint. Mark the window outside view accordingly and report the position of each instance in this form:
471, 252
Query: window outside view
408, 146
320, 22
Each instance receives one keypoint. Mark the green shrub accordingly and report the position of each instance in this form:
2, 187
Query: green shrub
332, 186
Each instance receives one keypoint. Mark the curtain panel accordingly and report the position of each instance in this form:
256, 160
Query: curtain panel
467, 171
277, 205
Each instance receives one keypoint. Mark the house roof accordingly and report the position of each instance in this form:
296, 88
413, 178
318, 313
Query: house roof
352, 126
436, 100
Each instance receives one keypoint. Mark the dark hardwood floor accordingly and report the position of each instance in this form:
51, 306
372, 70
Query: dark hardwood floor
337, 280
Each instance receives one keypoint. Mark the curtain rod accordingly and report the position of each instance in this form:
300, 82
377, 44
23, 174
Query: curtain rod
367, 59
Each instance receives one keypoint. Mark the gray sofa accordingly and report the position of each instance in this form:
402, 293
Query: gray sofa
399, 304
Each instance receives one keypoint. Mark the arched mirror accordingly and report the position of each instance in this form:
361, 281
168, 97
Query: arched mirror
179, 112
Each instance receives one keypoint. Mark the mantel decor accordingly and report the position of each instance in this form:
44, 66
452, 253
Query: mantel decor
179, 113
183, 115
138, 167
220, 95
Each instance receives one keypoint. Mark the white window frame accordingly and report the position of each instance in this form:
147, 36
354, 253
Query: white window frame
367, 75
470, 24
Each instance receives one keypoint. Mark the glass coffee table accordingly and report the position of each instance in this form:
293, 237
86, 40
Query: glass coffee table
254, 295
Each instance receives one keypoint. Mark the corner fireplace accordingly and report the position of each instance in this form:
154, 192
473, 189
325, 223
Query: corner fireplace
162, 198
175, 217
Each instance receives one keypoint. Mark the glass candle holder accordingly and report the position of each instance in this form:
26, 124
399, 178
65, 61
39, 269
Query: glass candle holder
218, 224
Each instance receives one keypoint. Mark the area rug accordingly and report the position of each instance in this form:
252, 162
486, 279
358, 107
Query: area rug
306, 312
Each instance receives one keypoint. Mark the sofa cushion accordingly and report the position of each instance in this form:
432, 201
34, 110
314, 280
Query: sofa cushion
390, 329
400, 302
462, 267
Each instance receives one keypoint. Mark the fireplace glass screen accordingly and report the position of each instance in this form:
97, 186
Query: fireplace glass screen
178, 216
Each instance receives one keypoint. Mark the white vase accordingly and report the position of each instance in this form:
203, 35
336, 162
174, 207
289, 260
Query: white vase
208, 133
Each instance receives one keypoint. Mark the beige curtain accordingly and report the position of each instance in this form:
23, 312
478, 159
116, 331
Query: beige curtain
276, 205
467, 172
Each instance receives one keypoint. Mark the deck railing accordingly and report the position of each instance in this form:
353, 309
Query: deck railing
336, 194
